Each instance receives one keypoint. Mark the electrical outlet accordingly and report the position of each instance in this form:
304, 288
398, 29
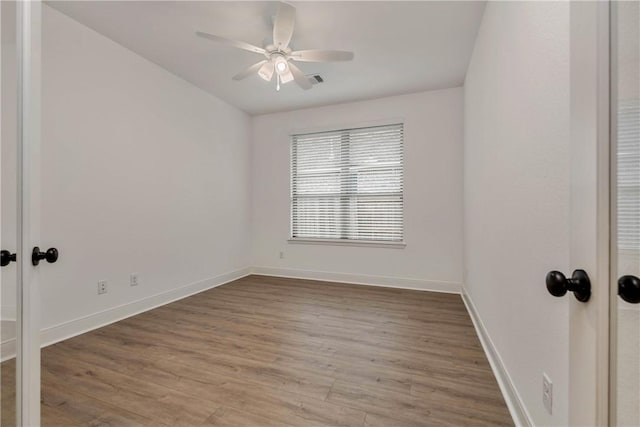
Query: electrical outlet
281, 255
133, 279
102, 287
547, 393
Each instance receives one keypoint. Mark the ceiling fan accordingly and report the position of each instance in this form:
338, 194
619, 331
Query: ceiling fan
279, 55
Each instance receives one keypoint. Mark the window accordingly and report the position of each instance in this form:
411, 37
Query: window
629, 175
348, 185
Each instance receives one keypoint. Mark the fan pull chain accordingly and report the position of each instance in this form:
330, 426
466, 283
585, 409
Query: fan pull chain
277, 82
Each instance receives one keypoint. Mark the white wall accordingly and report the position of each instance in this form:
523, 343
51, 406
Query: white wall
432, 257
516, 193
142, 172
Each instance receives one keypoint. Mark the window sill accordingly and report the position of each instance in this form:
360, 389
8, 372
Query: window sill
344, 242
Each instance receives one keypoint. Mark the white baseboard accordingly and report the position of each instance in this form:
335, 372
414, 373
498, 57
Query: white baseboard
516, 406
361, 279
72, 328
8, 350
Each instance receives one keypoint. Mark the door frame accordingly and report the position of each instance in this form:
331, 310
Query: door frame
28, 42
589, 348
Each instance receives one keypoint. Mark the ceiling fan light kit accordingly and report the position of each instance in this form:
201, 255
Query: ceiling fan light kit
279, 55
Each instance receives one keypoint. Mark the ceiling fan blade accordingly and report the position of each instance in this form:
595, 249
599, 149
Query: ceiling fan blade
249, 70
234, 43
299, 77
321, 55
283, 25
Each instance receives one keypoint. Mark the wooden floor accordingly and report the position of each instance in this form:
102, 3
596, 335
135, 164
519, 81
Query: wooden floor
272, 352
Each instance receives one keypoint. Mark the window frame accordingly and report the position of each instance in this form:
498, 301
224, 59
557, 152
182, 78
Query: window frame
347, 242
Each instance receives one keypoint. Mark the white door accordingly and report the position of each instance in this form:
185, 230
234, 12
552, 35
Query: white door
28, 162
604, 347
20, 184
589, 218
625, 225
8, 238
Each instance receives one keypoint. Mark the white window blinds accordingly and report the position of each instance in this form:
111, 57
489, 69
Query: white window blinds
629, 175
348, 184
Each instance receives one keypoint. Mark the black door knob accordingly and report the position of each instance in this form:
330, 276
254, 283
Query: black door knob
51, 255
629, 289
6, 257
579, 284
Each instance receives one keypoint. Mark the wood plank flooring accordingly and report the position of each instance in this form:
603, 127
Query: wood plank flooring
273, 352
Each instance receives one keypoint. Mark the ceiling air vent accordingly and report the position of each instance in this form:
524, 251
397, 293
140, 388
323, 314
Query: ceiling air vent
315, 79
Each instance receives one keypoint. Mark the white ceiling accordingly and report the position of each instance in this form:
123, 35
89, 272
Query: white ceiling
400, 47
